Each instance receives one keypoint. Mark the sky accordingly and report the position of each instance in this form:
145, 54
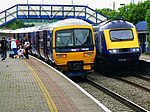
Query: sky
4, 4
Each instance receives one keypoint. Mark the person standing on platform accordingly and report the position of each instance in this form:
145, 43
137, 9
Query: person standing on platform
18, 43
4, 46
13, 52
26, 47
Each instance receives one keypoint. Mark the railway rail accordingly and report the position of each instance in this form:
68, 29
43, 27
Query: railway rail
143, 77
128, 102
120, 90
132, 83
107, 100
117, 96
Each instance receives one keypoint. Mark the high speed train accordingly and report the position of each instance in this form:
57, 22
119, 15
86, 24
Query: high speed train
67, 44
117, 45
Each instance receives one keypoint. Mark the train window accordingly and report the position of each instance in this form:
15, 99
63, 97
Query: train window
73, 37
120, 35
64, 38
83, 37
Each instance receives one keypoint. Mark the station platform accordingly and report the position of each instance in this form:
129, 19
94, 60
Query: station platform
30, 85
145, 57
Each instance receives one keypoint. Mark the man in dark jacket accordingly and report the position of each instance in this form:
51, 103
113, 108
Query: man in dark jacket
4, 46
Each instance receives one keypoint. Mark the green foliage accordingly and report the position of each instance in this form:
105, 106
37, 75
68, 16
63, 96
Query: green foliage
17, 24
14, 25
133, 13
29, 25
111, 14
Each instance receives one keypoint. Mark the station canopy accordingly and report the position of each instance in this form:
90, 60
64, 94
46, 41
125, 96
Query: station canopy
141, 26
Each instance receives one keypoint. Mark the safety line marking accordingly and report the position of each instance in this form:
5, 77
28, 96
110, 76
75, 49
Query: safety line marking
51, 105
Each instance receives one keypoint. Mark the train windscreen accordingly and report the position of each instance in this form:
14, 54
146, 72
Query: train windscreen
120, 35
74, 37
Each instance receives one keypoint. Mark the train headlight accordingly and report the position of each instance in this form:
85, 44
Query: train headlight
135, 50
110, 51
89, 54
61, 55
113, 51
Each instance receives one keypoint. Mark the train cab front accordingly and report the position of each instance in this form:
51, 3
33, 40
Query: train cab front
75, 63
75, 49
122, 46
123, 58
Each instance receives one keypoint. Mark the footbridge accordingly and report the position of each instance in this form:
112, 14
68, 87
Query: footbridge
42, 11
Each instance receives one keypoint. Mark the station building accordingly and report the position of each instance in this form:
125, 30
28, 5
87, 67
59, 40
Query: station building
143, 36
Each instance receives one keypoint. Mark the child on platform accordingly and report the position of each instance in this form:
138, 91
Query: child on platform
21, 52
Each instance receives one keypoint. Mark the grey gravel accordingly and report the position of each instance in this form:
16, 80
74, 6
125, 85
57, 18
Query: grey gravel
110, 102
130, 92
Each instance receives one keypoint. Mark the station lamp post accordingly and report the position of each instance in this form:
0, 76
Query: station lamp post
123, 6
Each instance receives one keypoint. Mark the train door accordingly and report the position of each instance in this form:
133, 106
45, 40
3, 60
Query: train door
49, 46
29, 39
20, 38
37, 43
45, 44
100, 42
33, 43
41, 44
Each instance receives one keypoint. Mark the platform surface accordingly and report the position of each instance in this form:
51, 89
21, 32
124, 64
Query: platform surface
28, 85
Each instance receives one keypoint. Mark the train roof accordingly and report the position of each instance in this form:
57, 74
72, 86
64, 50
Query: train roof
116, 24
26, 30
61, 23
5, 31
66, 22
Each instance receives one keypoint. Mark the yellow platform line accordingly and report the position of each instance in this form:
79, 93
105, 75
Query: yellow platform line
51, 105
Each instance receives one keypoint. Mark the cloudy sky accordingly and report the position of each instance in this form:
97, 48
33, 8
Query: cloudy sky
4, 4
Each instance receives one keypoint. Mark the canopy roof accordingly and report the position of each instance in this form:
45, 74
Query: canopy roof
141, 26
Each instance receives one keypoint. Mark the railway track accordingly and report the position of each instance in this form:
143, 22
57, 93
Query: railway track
125, 101
110, 102
133, 82
123, 94
142, 77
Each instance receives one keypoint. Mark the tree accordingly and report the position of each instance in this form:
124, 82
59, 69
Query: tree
111, 14
17, 24
134, 13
